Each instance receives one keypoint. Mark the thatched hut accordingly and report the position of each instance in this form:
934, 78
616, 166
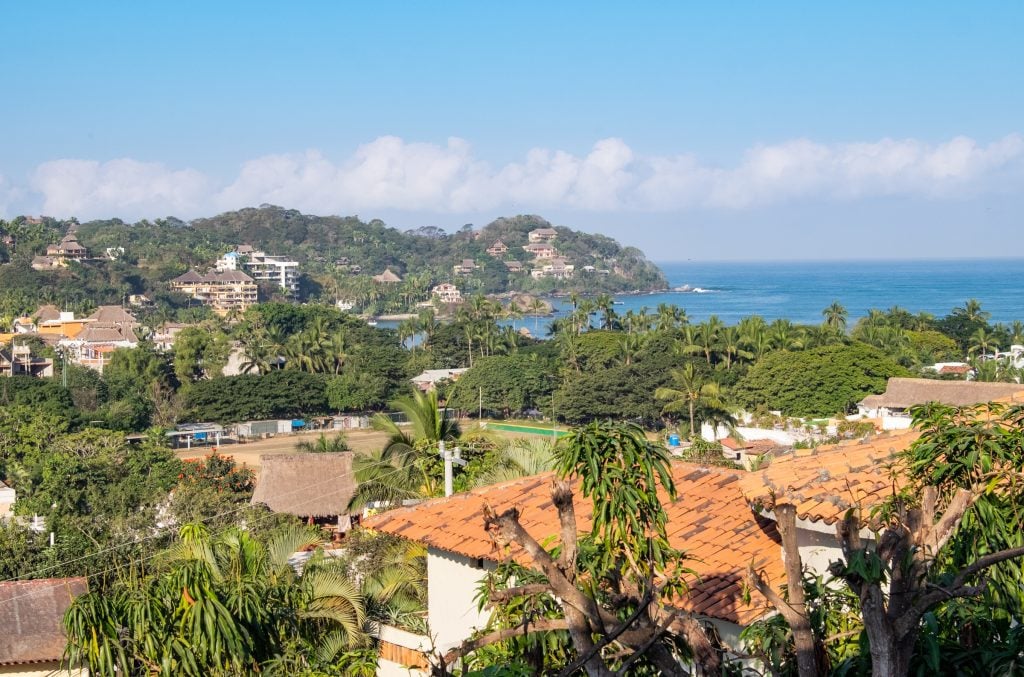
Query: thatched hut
317, 487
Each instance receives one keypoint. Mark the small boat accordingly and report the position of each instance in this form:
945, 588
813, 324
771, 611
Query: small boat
372, 323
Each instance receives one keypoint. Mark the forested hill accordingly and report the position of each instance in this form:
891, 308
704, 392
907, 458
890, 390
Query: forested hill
320, 241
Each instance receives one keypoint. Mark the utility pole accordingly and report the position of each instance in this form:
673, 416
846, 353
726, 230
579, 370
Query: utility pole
451, 457
480, 405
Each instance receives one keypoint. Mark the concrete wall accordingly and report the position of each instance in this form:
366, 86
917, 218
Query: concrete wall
402, 653
818, 549
452, 582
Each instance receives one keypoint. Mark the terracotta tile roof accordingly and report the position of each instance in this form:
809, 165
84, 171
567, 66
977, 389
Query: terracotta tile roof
710, 520
825, 482
31, 618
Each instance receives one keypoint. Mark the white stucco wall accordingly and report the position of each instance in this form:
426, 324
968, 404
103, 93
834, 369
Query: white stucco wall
452, 582
818, 549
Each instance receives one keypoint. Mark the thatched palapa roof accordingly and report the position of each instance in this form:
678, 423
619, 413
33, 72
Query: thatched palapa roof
902, 393
306, 485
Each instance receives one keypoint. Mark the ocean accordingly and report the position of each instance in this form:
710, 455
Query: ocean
799, 291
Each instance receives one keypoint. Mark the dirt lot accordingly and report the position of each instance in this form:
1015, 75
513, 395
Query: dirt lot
250, 452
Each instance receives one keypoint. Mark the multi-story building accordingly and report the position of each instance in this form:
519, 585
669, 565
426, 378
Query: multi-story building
466, 267
262, 267
223, 291
540, 250
446, 293
542, 235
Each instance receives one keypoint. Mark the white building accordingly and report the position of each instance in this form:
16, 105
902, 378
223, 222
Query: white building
542, 235
263, 267
446, 293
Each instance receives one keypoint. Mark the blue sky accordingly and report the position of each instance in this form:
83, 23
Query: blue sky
711, 131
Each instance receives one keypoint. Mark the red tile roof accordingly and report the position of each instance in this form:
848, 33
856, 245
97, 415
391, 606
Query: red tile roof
710, 520
825, 482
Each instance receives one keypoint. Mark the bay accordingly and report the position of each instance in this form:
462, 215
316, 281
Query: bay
799, 291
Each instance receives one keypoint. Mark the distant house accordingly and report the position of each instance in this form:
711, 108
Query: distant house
47, 312
32, 639
903, 393
745, 452
68, 249
92, 346
223, 291
387, 277
316, 487
20, 362
447, 293
540, 250
514, 266
498, 249
465, 267
165, 334
429, 379
558, 269
23, 325
113, 315
65, 325
542, 235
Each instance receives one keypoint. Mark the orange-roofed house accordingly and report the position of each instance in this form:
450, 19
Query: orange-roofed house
824, 483
710, 520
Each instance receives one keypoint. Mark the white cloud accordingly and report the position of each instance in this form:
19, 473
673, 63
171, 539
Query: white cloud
395, 175
123, 186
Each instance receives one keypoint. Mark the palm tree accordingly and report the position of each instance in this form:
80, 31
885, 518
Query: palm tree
731, 342
980, 342
972, 311
691, 392
784, 335
629, 346
835, 316
606, 306
427, 423
519, 458
324, 444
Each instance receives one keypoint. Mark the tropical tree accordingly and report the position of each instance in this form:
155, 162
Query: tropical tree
835, 316
324, 444
225, 604
611, 587
691, 392
515, 458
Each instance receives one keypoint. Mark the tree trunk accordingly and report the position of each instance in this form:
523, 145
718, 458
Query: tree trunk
807, 662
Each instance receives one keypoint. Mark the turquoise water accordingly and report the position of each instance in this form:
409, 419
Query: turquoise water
800, 290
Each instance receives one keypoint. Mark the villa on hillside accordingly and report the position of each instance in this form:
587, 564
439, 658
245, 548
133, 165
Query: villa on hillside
892, 406
223, 292
558, 269
447, 293
498, 249
514, 266
465, 267
542, 235
262, 267
540, 250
